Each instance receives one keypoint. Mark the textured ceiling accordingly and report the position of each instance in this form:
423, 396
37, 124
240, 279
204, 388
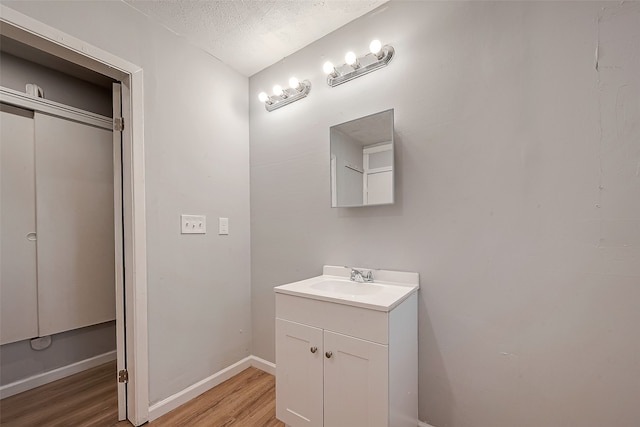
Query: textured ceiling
250, 35
369, 130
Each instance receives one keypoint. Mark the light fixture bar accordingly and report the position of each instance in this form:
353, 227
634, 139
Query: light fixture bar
367, 63
288, 96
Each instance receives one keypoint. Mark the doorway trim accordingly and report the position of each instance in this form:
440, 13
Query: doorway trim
41, 36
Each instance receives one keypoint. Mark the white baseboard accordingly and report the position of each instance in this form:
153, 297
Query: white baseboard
263, 365
54, 375
423, 424
172, 402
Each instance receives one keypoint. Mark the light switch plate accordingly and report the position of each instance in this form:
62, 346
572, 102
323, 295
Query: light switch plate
223, 226
193, 224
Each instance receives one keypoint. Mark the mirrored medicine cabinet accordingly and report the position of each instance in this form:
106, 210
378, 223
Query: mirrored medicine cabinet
362, 171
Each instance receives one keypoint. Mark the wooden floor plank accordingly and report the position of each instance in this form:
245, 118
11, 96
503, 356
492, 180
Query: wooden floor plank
89, 398
85, 398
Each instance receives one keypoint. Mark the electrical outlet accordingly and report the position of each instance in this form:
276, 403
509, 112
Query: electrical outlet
193, 224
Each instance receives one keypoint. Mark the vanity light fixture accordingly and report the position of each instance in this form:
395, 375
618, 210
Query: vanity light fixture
297, 90
352, 60
378, 57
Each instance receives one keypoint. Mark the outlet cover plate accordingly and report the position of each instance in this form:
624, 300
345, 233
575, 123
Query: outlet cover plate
223, 226
193, 224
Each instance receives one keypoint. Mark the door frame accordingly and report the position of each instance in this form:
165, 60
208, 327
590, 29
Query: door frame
41, 36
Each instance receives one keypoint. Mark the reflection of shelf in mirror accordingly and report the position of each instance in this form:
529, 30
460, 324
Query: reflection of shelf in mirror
355, 168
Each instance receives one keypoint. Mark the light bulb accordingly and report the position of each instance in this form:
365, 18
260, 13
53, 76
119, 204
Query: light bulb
294, 83
263, 97
350, 58
277, 90
375, 47
328, 68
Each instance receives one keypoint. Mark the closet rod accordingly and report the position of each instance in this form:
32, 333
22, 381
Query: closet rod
355, 168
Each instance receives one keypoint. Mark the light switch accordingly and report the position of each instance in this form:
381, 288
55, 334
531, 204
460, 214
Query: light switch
223, 226
193, 224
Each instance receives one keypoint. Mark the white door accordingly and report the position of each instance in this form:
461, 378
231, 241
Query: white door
74, 197
298, 374
121, 364
355, 382
18, 283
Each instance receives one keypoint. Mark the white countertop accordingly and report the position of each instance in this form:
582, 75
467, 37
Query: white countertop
388, 289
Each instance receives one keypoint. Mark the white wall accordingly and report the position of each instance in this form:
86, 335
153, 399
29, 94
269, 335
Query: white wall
349, 183
517, 201
20, 361
57, 86
197, 162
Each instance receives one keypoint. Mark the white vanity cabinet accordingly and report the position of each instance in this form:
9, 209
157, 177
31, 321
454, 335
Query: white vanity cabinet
339, 365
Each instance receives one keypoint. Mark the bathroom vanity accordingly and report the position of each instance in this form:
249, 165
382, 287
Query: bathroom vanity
347, 352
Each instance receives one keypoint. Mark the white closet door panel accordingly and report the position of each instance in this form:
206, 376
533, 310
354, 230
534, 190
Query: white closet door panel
119, 262
74, 181
18, 282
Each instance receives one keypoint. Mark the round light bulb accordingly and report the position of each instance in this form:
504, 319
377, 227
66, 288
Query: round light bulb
328, 67
263, 97
375, 47
277, 90
294, 83
350, 58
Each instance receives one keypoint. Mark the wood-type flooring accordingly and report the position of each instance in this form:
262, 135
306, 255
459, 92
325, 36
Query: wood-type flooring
89, 398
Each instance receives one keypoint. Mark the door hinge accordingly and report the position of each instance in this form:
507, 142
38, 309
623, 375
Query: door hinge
123, 376
118, 124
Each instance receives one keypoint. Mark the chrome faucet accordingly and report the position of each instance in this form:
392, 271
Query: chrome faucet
360, 276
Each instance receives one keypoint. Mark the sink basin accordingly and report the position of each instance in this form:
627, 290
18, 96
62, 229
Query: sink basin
344, 287
388, 289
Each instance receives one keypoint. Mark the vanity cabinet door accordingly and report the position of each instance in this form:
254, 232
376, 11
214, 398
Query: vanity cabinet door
299, 354
356, 386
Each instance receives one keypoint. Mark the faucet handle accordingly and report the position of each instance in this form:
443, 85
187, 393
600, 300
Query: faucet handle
360, 276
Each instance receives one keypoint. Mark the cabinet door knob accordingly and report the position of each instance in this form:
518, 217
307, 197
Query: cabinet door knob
328, 354
314, 349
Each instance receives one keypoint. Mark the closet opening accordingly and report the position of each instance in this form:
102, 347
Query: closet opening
73, 175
